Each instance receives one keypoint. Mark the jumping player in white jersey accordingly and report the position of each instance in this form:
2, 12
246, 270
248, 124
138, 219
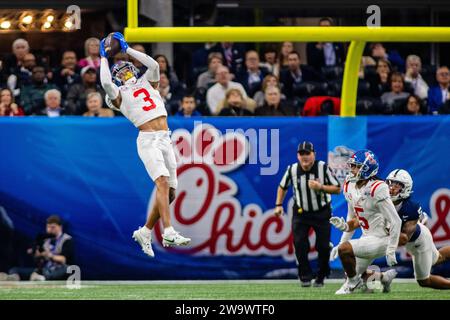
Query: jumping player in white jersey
369, 207
139, 100
415, 236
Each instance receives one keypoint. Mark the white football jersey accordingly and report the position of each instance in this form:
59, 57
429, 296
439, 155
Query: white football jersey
364, 204
141, 102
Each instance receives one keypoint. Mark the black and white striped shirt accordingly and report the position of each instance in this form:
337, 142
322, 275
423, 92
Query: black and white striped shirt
304, 197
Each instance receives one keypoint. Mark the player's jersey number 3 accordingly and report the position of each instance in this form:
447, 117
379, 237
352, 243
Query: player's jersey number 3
143, 94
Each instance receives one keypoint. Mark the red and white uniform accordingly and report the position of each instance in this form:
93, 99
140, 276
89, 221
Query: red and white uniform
378, 219
141, 102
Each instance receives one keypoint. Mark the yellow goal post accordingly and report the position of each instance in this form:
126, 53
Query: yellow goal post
357, 36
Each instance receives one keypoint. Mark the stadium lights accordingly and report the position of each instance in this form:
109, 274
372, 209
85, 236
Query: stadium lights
27, 19
5, 24
35, 20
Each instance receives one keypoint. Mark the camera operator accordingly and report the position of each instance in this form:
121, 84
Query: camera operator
52, 252
55, 254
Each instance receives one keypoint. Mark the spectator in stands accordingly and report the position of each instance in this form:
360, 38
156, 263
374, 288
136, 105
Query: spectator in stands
32, 96
233, 55
270, 62
412, 106
295, 74
413, 68
22, 75
379, 82
92, 52
67, 73
137, 63
171, 93
273, 106
251, 79
269, 80
378, 51
76, 96
53, 106
208, 78
7, 106
321, 54
94, 103
188, 105
164, 66
234, 104
438, 95
397, 85
286, 48
14, 62
216, 93
53, 253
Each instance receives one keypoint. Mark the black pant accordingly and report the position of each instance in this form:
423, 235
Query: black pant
301, 225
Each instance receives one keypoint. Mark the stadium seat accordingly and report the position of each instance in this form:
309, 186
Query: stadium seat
368, 106
332, 73
321, 105
310, 88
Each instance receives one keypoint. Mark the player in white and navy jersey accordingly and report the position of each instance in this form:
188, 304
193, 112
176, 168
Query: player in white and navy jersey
414, 235
369, 207
139, 101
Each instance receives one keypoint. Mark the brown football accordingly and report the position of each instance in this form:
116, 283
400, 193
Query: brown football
112, 45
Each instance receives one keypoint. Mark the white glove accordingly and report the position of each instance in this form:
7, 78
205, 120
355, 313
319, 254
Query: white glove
390, 258
334, 253
339, 223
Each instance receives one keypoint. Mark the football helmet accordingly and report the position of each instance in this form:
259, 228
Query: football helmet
404, 179
124, 72
367, 162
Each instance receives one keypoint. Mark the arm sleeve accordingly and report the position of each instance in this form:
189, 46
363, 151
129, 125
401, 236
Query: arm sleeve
152, 73
286, 180
106, 80
388, 210
350, 215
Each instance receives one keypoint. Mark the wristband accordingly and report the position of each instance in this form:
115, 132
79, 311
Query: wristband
278, 205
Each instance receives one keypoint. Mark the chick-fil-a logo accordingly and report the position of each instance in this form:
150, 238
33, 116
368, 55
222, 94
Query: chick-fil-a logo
206, 208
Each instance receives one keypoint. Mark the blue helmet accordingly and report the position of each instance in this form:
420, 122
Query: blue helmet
127, 69
368, 162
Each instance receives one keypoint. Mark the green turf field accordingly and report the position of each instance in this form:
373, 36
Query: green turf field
217, 290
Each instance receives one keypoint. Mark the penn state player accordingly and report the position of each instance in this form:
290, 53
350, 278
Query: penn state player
139, 100
414, 235
369, 207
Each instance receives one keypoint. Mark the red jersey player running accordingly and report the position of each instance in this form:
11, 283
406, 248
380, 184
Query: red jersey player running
139, 100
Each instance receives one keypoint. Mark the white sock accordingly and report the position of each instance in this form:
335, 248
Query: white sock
146, 231
169, 230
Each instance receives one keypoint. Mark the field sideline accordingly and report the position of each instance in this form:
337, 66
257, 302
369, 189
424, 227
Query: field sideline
207, 290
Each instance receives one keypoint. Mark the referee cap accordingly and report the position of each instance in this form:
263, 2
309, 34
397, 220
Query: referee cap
305, 146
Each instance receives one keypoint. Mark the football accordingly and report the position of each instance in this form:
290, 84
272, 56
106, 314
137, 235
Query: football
112, 45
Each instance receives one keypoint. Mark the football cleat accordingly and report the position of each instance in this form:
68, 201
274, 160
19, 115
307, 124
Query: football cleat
387, 279
348, 289
174, 239
145, 241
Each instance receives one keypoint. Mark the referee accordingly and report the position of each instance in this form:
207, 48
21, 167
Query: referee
312, 183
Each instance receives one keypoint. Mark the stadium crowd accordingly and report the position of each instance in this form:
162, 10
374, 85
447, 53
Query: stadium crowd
232, 81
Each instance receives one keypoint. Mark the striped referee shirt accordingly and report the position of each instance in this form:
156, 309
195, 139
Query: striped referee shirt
304, 197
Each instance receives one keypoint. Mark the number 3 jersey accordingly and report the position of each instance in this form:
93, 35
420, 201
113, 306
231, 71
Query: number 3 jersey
369, 204
140, 102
